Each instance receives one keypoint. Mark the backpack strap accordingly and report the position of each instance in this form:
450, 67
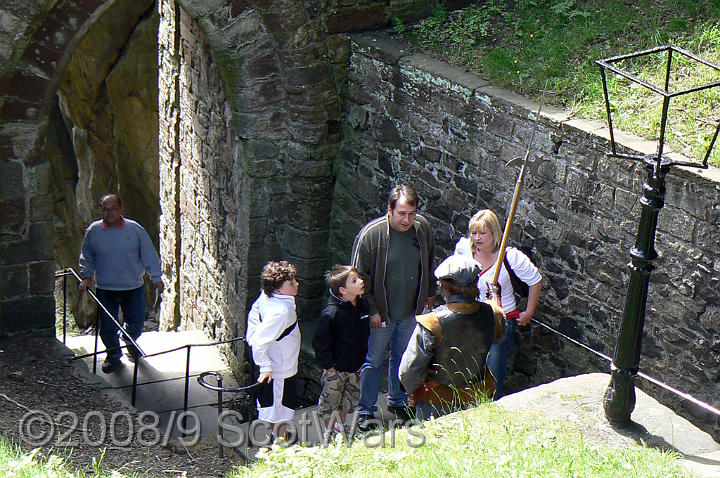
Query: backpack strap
519, 287
286, 332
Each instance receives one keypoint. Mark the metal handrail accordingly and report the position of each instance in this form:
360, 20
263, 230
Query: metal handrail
220, 390
69, 271
640, 374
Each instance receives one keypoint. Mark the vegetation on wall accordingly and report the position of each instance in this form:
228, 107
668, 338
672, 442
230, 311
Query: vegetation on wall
531, 45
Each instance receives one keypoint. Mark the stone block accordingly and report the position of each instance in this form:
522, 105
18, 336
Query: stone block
303, 243
676, 223
261, 149
42, 277
38, 246
13, 217
41, 208
356, 18
35, 313
310, 133
41, 59
19, 110
309, 214
376, 47
87, 5
308, 267
444, 75
29, 87
14, 282
267, 124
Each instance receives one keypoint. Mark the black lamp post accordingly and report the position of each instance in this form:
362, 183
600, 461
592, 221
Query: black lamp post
619, 400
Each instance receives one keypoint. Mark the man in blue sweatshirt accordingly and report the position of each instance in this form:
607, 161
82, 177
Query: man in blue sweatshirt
117, 252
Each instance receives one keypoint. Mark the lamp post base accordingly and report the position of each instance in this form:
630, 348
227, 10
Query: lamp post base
619, 399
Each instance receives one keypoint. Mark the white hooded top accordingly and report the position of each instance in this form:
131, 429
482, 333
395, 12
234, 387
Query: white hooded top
269, 317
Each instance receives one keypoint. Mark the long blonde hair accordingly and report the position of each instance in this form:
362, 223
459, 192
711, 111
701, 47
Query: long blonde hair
486, 219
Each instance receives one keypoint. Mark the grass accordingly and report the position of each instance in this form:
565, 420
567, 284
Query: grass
71, 328
525, 45
481, 442
15, 463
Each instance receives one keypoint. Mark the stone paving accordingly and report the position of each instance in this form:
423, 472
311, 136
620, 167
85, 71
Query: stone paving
161, 381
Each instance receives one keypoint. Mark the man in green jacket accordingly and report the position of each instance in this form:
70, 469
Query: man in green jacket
394, 255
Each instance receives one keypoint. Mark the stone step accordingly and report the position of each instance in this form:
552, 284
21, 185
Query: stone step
161, 380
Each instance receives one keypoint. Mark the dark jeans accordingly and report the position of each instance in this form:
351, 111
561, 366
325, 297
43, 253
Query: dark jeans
497, 358
132, 303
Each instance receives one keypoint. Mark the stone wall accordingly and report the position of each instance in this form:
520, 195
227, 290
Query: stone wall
204, 228
283, 66
448, 133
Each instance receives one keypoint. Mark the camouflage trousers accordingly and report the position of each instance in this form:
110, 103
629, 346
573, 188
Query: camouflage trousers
341, 391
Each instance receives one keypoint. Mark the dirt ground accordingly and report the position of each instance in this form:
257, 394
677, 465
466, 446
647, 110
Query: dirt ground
43, 404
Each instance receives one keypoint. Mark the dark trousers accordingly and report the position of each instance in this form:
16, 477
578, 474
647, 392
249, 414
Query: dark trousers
132, 303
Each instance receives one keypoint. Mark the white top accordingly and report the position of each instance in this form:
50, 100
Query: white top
269, 317
521, 265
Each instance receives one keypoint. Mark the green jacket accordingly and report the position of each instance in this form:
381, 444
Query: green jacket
369, 256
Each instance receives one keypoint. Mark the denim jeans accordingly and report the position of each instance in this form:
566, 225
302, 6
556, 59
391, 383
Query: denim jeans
498, 357
132, 303
396, 334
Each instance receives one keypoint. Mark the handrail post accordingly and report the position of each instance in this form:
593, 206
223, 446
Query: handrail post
64, 308
220, 410
135, 380
187, 390
97, 334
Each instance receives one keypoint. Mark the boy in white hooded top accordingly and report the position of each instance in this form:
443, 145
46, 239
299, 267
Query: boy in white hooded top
274, 336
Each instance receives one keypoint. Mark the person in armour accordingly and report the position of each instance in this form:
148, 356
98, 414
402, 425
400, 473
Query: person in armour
444, 365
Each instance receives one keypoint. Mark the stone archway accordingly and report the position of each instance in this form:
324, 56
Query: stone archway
246, 174
102, 131
40, 140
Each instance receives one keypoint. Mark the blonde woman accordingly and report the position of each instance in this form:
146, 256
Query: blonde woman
483, 244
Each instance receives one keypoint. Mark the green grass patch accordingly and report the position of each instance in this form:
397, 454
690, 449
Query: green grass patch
482, 442
525, 45
15, 463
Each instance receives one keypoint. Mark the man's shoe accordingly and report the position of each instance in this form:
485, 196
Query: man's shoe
403, 412
366, 423
111, 364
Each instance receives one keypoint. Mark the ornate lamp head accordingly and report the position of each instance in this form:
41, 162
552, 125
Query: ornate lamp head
670, 73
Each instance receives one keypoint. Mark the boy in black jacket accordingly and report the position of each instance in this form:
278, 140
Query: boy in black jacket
340, 343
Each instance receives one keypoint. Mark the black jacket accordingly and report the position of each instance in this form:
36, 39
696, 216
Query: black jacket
341, 336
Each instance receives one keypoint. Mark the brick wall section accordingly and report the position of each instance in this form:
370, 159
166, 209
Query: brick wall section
413, 119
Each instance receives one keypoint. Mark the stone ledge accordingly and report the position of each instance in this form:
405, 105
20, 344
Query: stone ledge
380, 48
387, 50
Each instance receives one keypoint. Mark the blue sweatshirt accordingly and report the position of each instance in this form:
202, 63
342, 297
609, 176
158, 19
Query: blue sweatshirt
118, 257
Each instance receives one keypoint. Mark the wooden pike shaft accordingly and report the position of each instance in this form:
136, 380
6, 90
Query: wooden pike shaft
511, 214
